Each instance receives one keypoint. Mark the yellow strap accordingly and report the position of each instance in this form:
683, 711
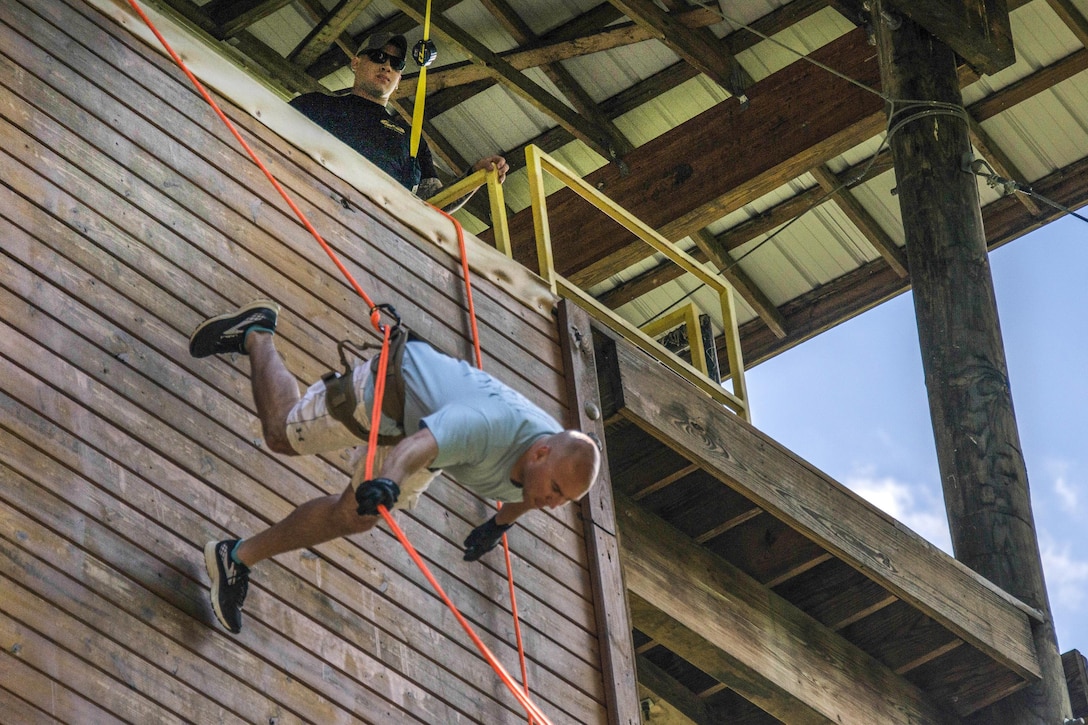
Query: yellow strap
421, 88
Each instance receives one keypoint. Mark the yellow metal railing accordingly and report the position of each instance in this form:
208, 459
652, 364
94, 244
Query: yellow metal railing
494, 193
538, 162
688, 316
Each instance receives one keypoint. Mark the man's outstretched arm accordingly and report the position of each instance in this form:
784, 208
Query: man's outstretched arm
410, 456
428, 187
510, 512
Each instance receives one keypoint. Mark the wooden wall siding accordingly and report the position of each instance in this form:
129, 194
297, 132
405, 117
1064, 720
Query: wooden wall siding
128, 214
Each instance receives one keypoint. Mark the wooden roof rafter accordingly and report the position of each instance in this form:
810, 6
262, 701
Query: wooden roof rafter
540, 54
1073, 18
559, 75
329, 62
233, 16
696, 46
584, 32
513, 80
317, 14
331, 27
707, 244
863, 220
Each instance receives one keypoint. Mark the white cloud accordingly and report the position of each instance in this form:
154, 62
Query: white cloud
922, 510
1066, 576
1058, 472
1066, 493
915, 507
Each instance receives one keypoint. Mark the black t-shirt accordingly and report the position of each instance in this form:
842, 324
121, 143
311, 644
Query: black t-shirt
371, 130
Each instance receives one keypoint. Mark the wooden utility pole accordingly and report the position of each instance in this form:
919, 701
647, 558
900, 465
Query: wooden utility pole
978, 446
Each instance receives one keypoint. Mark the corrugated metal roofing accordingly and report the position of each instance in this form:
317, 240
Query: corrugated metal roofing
1039, 135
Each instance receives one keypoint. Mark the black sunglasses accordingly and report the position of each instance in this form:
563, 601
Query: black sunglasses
380, 56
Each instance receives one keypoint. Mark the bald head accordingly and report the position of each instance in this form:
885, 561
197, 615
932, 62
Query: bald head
557, 469
579, 458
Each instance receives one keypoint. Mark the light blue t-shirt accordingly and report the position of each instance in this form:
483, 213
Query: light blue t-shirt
482, 426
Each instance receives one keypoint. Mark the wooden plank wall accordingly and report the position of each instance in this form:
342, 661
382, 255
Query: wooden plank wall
127, 215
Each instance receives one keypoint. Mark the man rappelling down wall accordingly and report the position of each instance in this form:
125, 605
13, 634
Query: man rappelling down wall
445, 415
452, 417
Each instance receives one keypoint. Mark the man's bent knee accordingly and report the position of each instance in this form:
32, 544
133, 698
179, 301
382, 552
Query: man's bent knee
276, 440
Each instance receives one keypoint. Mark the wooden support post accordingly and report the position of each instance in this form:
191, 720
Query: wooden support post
599, 517
978, 447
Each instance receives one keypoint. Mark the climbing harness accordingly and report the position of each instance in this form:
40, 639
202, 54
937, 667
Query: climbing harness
383, 374
340, 398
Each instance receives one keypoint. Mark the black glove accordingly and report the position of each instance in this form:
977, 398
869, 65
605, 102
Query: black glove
484, 538
376, 492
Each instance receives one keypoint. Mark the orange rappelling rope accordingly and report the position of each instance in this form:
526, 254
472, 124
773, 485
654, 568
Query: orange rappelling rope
375, 317
480, 364
535, 714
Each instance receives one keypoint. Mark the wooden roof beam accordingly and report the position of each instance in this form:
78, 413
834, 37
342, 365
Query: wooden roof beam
331, 61
978, 30
880, 240
1072, 17
678, 193
344, 41
748, 290
698, 47
516, 82
816, 506
537, 55
707, 611
233, 16
1041, 80
327, 31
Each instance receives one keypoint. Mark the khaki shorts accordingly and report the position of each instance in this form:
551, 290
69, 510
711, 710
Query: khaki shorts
311, 429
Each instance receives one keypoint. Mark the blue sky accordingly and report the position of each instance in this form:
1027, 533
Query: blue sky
852, 401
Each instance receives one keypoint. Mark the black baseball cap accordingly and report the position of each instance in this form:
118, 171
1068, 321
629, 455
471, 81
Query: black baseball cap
378, 41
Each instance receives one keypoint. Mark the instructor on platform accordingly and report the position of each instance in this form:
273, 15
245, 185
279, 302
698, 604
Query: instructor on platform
362, 120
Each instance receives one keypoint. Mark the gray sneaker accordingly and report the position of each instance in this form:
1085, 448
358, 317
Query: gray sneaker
227, 332
230, 583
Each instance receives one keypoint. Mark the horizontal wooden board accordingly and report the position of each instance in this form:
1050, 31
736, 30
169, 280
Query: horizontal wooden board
826, 512
128, 214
